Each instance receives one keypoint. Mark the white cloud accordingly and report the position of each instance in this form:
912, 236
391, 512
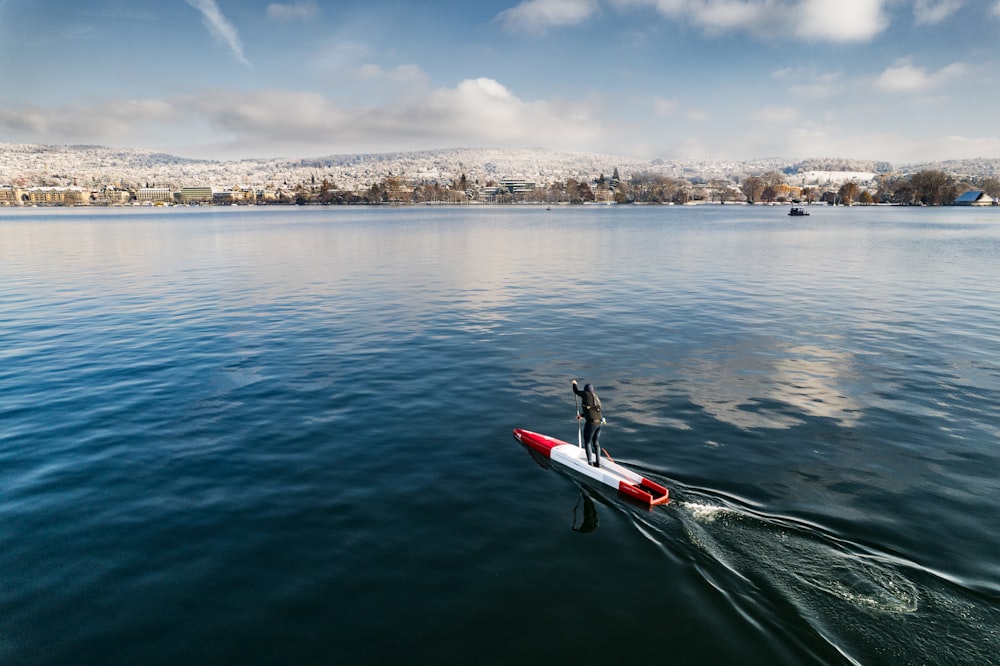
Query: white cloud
725, 15
476, 112
777, 114
408, 74
935, 11
841, 21
811, 83
114, 119
664, 106
303, 10
826, 20
220, 27
537, 16
819, 139
996, 9
904, 77
483, 110
948, 146
268, 114
341, 55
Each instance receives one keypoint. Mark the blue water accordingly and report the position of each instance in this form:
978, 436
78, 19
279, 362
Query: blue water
237, 436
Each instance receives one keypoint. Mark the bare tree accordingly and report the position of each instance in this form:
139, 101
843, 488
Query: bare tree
753, 188
848, 192
932, 186
991, 186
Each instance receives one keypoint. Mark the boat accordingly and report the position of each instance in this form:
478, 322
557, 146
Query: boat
573, 458
798, 212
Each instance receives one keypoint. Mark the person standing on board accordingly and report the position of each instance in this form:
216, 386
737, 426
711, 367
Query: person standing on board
590, 411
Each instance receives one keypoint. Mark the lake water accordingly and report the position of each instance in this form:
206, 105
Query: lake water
238, 436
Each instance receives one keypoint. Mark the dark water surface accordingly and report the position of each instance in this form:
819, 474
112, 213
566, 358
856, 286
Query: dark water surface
284, 436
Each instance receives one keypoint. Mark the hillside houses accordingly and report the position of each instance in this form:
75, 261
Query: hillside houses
87, 175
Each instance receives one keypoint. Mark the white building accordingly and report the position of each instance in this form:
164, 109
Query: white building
154, 195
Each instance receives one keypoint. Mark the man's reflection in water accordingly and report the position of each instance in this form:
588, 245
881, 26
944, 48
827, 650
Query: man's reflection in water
590, 522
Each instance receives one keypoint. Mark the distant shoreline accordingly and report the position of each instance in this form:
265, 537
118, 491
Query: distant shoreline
92, 175
506, 206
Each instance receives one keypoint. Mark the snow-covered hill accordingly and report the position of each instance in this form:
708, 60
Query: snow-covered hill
94, 166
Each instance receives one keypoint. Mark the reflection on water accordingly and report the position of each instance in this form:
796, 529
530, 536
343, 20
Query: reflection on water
293, 425
589, 520
768, 383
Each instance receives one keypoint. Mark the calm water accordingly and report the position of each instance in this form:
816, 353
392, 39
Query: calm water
284, 436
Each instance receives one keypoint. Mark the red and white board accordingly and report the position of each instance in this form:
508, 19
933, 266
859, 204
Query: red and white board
610, 473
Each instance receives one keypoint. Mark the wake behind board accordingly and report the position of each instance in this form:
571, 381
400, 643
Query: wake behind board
610, 473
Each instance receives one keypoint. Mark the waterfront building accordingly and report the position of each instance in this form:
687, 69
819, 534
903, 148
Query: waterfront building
9, 196
244, 194
517, 185
154, 195
57, 196
112, 196
604, 195
788, 192
222, 197
200, 194
975, 198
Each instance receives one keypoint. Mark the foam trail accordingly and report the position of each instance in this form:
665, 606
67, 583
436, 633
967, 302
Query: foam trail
865, 604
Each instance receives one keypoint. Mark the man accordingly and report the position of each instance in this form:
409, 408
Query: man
590, 411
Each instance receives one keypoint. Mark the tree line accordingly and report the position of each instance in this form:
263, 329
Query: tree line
928, 187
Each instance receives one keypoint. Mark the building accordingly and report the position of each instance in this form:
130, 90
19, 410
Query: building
189, 195
517, 185
57, 196
222, 197
604, 195
244, 194
975, 198
9, 196
113, 196
154, 195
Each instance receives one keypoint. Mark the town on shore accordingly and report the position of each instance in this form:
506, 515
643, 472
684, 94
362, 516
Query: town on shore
33, 175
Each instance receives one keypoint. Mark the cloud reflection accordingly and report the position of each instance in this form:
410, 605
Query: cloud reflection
765, 384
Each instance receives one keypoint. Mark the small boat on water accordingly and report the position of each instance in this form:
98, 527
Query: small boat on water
798, 212
574, 459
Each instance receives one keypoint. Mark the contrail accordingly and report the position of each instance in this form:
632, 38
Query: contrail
220, 26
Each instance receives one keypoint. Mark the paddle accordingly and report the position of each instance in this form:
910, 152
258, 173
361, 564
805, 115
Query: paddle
579, 421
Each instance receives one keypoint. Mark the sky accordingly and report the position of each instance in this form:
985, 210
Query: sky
903, 81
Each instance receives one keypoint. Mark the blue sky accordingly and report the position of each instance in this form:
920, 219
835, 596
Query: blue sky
897, 80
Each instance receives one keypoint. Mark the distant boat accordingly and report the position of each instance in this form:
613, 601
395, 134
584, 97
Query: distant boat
798, 212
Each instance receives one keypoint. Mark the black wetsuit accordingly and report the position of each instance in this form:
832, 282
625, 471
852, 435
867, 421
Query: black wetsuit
590, 410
